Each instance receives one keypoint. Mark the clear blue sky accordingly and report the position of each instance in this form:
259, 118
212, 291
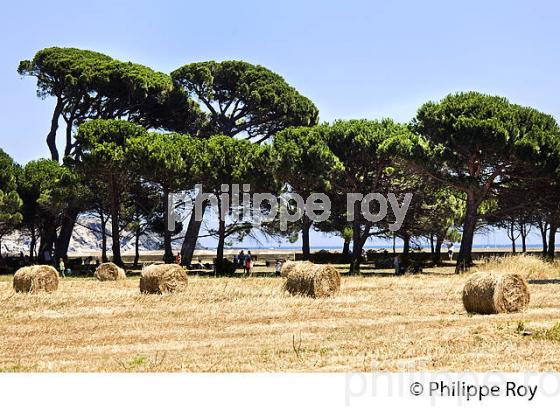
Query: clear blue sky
354, 59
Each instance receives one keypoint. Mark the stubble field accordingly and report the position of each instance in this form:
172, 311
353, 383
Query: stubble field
384, 323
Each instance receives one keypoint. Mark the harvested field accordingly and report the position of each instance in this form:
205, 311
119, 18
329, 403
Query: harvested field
249, 324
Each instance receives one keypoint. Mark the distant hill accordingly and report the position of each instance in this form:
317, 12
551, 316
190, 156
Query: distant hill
85, 239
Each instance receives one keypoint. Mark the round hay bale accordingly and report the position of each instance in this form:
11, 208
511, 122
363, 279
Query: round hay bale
163, 278
287, 268
109, 271
36, 278
309, 279
494, 292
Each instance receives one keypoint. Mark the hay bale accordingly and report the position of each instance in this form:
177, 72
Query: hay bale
163, 278
287, 268
495, 292
36, 278
109, 271
309, 279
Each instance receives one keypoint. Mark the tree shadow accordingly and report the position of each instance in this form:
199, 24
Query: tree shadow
544, 281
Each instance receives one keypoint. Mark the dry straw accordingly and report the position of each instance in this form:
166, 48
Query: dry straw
163, 279
495, 292
287, 268
36, 278
109, 271
529, 266
308, 279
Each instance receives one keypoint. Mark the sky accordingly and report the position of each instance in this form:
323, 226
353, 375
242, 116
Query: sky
353, 59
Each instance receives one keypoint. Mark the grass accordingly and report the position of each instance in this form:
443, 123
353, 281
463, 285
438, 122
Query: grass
384, 323
552, 334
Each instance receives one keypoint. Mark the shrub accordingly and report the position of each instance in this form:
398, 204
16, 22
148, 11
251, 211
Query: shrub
225, 267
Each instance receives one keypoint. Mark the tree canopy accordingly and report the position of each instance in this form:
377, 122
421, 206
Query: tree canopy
469, 158
366, 151
91, 85
168, 160
227, 161
474, 143
303, 159
10, 201
102, 154
245, 99
47, 189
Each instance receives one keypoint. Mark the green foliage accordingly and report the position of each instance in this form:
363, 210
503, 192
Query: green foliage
225, 160
471, 140
103, 142
442, 211
366, 150
552, 334
169, 162
46, 188
75, 74
303, 159
166, 159
10, 201
103, 163
347, 233
464, 157
476, 144
10, 211
245, 99
8, 172
91, 85
45, 182
175, 112
102, 156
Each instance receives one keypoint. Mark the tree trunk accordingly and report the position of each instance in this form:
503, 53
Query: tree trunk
356, 240
406, 244
552, 241
69, 126
103, 236
137, 246
104, 257
524, 234
432, 247
512, 237
168, 251
406, 251
346, 248
51, 136
356, 258
221, 241
32, 244
306, 226
437, 252
191, 236
48, 237
464, 259
543, 227
358, 243
115, 233
65, 234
